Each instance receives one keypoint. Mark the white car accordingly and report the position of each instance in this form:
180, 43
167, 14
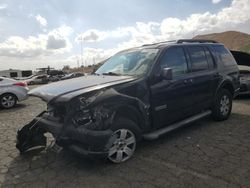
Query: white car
11, 92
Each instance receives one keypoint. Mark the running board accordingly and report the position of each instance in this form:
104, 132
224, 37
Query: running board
156, 134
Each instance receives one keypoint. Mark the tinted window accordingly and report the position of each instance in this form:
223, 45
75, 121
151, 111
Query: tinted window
13, 74
209, 57
175, 58
26, 73
198, 58
224, 56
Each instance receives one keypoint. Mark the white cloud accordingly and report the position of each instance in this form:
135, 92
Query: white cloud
216, 1
94, 35
41, 20
3, 6
229, 18
55, 42
91, 35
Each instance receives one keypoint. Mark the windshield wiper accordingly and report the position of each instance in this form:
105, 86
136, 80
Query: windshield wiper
111, 74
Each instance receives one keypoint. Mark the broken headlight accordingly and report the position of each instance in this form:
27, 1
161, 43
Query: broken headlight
82, 117
95, 119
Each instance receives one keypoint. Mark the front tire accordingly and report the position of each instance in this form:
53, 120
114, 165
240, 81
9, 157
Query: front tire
222, 106
127, 136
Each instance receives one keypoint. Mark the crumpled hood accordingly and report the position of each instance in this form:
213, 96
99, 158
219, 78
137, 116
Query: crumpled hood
77, 85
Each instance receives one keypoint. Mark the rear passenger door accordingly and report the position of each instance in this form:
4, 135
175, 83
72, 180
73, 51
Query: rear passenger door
202, 68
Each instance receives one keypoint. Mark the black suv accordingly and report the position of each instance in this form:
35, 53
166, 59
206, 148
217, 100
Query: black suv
143, 92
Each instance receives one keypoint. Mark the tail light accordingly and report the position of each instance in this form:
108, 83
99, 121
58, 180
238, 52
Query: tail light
22, 84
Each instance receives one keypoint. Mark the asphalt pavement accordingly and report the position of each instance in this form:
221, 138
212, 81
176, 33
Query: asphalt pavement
204, 154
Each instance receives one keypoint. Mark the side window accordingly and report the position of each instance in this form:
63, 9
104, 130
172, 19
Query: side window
198, 58
209, 58
175, 58
13, 74
224, 56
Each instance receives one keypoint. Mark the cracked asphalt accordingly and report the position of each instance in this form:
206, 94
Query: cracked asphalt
204, 154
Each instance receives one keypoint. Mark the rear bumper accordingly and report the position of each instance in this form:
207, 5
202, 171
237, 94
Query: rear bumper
22, 93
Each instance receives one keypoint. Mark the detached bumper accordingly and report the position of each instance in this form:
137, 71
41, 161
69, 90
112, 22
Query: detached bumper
78, 139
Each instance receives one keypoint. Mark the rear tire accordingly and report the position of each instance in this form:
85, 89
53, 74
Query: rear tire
127, 136
222, 106
8, 100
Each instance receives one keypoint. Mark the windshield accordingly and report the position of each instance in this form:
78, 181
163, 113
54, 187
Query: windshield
133, 63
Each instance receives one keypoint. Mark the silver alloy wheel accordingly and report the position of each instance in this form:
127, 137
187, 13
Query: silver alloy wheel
8, 101
123, 147
224, 105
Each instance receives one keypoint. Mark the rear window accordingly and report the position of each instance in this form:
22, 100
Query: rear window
224, 56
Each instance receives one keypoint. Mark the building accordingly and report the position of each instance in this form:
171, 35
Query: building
12, 73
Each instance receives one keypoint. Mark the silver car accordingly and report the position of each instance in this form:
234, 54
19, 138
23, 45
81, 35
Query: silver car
11, 92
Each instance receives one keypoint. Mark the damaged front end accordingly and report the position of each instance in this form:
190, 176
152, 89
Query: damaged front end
82, 124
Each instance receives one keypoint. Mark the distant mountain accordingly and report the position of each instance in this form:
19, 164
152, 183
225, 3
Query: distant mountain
232, 39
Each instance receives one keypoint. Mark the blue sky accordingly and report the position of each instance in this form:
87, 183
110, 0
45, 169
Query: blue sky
36, 33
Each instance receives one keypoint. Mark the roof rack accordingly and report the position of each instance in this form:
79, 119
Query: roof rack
196, 41
160, 42
183, 41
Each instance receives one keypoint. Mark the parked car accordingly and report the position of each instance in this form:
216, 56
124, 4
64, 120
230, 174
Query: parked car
72, 75
143, 92
244, 79
37, 79
243, 61
11, 92
55, 75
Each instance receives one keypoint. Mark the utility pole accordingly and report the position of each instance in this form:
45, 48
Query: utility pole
81, 51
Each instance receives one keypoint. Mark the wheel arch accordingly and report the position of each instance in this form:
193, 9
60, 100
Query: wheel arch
226, 85
132, 113
11, 94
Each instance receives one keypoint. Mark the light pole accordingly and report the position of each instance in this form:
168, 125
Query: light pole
81, 51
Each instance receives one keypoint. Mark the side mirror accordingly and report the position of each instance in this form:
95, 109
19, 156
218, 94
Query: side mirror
167, 74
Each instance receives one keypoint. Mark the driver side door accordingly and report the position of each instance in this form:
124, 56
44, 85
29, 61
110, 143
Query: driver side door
172, 99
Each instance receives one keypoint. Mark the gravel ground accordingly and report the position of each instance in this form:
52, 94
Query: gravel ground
205, 154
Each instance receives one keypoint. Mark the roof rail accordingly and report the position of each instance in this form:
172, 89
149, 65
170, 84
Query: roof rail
196, 41
160, 42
